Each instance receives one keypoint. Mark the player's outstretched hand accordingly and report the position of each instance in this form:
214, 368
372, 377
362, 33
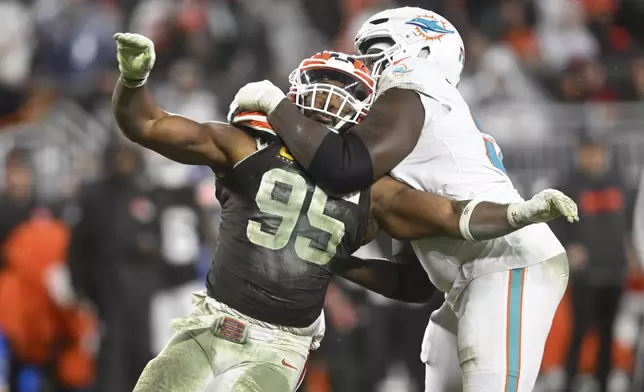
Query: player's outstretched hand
543, 207
135, 53
261, 96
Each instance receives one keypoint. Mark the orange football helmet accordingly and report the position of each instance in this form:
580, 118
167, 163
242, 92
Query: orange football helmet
336, 87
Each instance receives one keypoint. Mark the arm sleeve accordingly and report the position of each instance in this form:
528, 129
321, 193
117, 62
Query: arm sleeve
351, 162
413, 283
342, 164
402, 281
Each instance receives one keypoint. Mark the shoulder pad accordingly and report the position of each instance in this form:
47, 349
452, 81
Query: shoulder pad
417, 74
256, 125
257, 121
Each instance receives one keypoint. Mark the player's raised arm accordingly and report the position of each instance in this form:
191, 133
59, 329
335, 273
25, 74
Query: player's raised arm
176, 137
342, 163
405, 213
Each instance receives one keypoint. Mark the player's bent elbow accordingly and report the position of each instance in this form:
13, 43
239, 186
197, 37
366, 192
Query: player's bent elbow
131, 127
131, 133
138, 131
342, 166
134, 134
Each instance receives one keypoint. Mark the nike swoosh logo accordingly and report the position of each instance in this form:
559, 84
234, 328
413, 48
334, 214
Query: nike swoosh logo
403, 59
288, 365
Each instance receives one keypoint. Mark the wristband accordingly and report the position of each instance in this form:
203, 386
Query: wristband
131, 83
464, 221
514, 216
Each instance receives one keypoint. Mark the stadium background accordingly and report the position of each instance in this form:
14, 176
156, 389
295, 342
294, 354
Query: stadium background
540, 75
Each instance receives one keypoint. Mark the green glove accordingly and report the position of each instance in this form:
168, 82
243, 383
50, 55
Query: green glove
545, 206
136, 56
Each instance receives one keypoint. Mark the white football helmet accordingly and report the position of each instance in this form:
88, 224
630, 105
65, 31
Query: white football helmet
344, 84
395, 34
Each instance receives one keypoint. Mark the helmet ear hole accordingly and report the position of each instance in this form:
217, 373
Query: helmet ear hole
424, 52
379, 21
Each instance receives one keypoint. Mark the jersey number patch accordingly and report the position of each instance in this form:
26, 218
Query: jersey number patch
289, 213
491, 148
494, 153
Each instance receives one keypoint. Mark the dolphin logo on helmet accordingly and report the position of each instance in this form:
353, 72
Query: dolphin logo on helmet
430, 25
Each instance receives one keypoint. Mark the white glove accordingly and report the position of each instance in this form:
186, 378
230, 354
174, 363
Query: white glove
543, 207
136, 56
261, 96
233, 110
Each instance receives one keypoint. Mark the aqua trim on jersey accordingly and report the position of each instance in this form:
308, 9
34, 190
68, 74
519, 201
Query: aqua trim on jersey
490, 149
496, 159
515, 299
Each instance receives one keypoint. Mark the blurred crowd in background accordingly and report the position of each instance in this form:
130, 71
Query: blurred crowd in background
101, 243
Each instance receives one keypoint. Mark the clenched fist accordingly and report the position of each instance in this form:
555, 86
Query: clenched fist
136, 56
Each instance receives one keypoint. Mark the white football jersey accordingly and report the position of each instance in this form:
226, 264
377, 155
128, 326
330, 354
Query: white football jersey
455, 159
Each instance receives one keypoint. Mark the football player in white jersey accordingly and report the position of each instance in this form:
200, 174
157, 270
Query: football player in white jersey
501, 295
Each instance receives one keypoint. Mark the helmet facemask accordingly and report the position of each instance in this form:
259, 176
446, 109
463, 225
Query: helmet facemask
336, 97
380, 54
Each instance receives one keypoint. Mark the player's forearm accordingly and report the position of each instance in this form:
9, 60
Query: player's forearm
409, 214
405, 222
337, 164
402, 282
481, 220
487, 221
349, 162
301, 135
135, 110
175, 137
